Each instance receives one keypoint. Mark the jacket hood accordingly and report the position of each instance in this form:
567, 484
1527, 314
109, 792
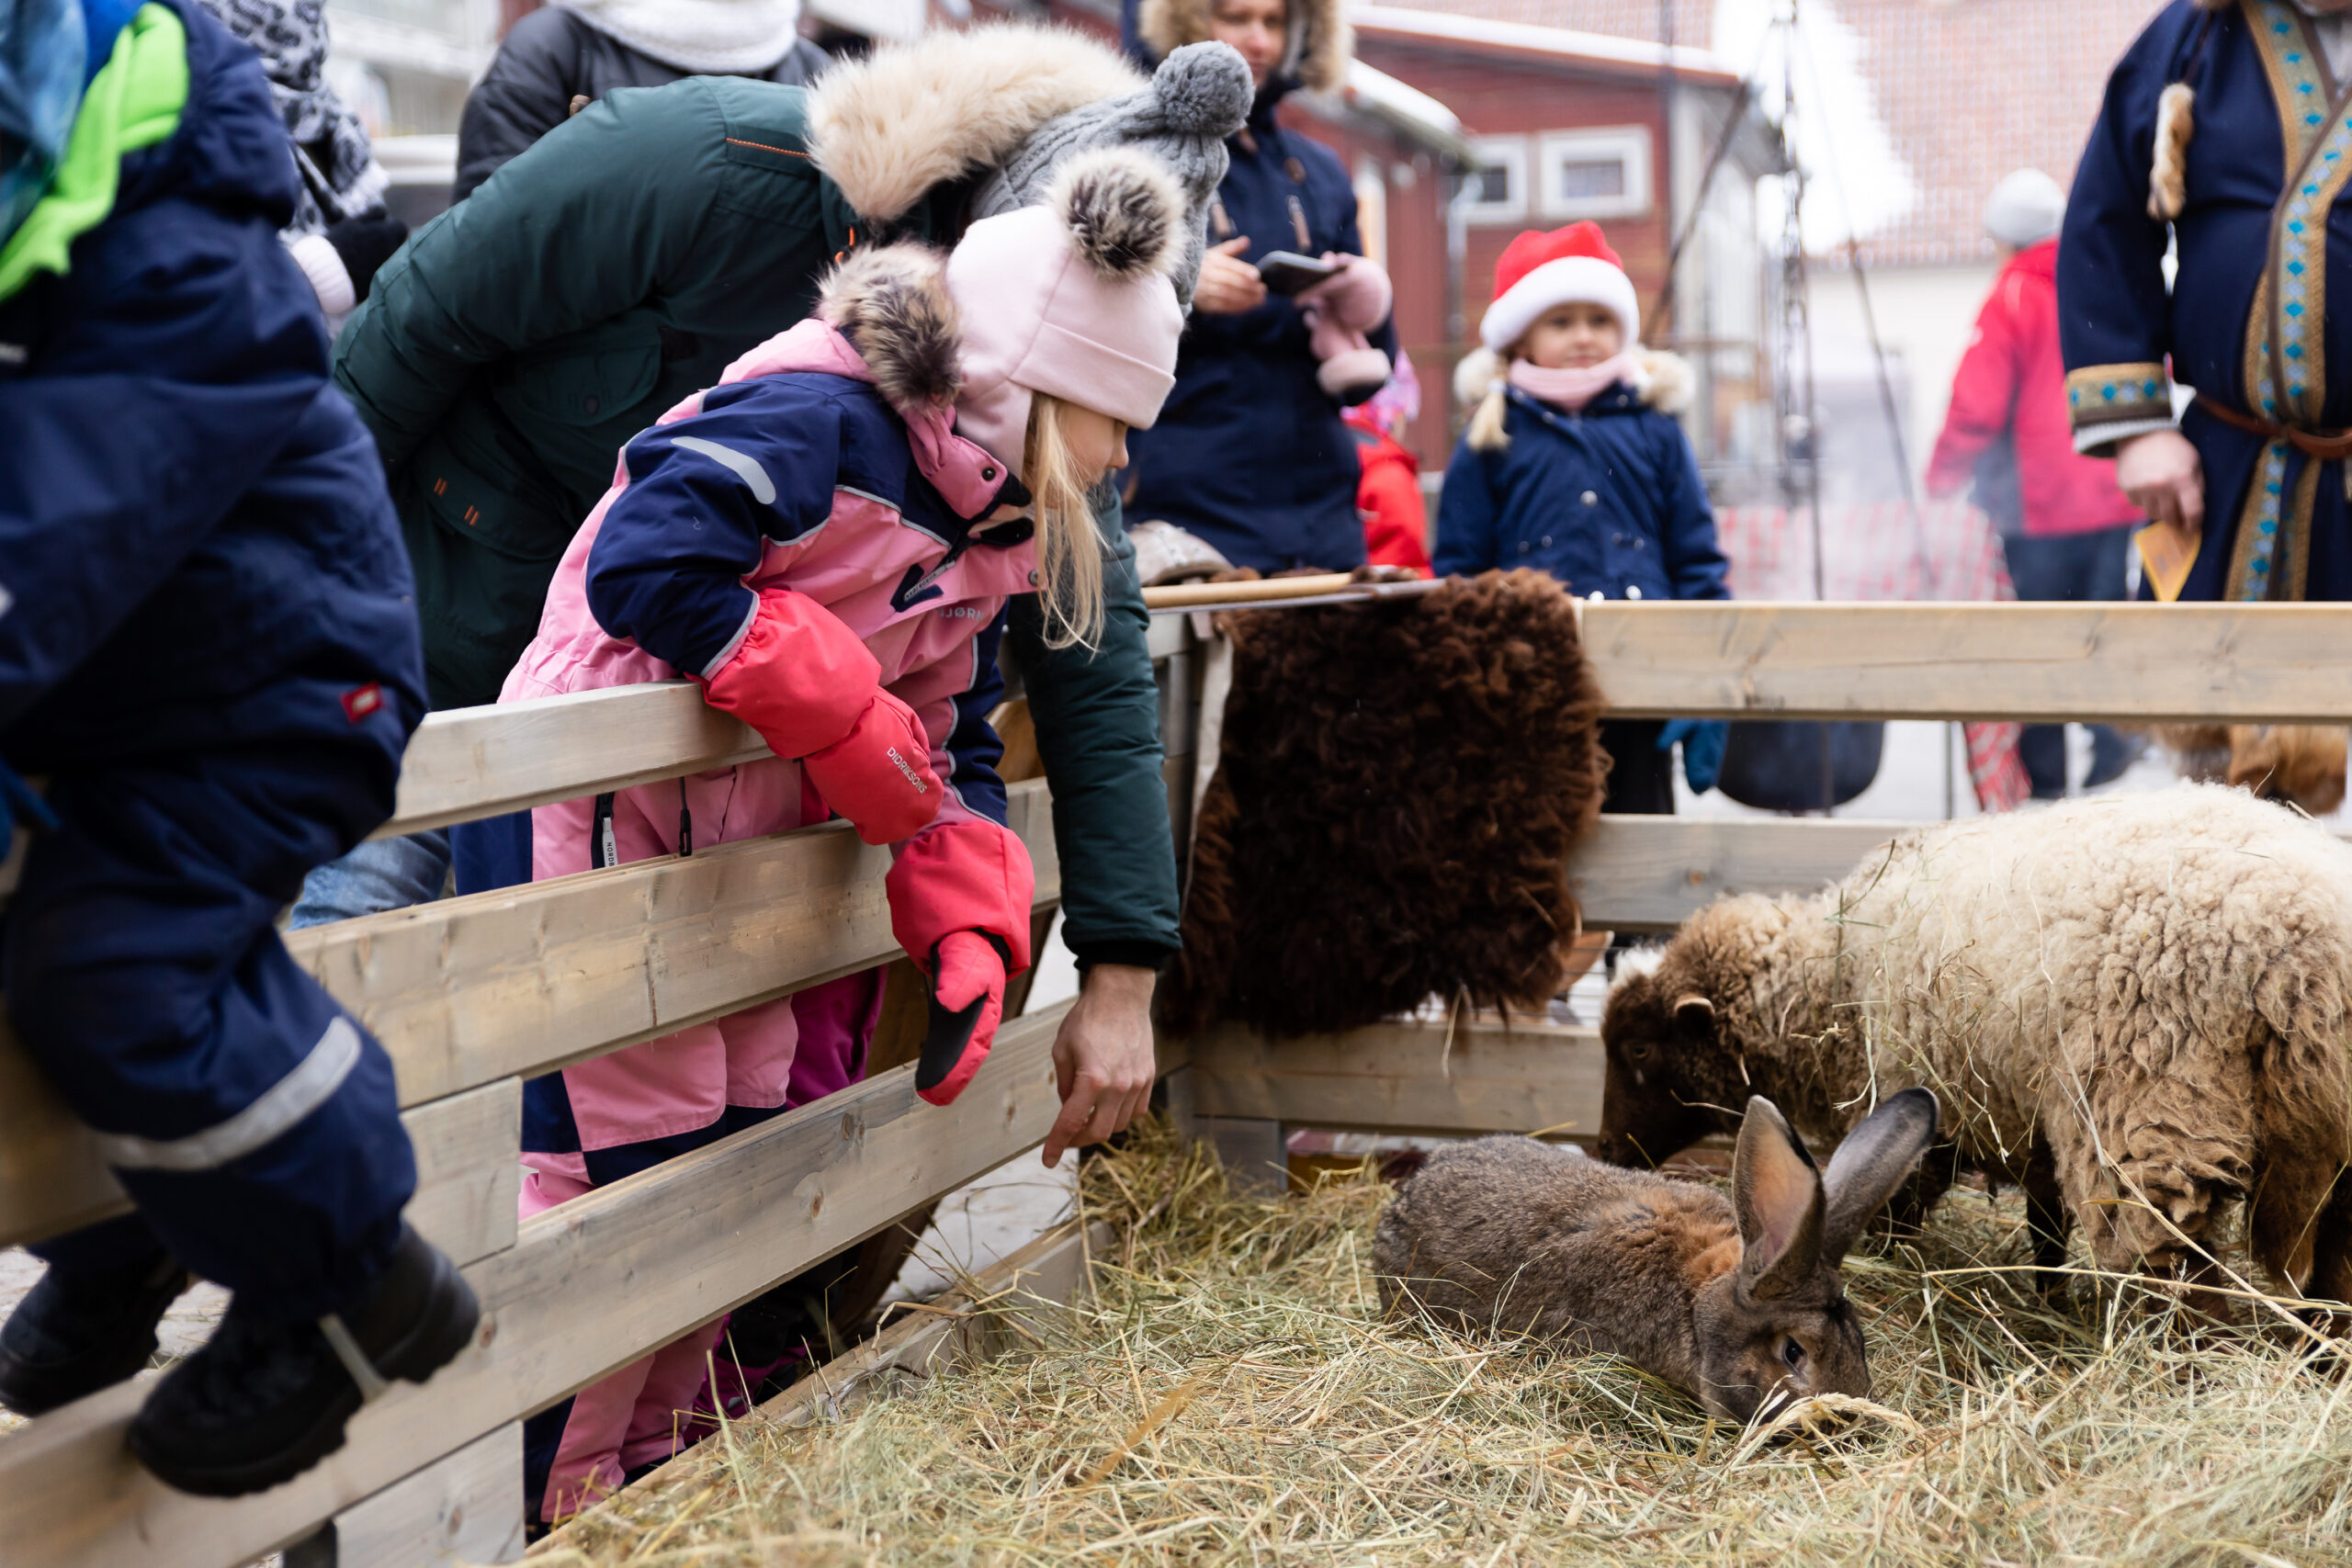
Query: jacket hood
2040, 260
1321, 43
229, 151
885, 317
1666, 384
888, 127
892, 305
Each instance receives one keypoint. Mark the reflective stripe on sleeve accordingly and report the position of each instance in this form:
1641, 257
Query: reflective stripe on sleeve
313, 1080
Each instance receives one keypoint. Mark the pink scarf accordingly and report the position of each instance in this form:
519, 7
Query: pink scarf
1571, 388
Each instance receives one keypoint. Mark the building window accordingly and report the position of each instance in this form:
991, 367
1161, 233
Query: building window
1498, 191
1593, 174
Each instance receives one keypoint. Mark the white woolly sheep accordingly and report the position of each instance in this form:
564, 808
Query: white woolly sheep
2134, 1007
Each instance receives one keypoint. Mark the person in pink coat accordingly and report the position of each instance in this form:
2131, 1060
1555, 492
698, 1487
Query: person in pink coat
826, 542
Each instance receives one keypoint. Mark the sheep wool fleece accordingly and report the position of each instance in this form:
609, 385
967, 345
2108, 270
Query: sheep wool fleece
1399, 787
2157, 985
799, 477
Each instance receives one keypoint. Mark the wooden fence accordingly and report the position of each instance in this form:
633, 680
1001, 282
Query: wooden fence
472, 995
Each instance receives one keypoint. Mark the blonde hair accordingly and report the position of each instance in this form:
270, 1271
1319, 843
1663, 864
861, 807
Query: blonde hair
1070, 550
1488, 432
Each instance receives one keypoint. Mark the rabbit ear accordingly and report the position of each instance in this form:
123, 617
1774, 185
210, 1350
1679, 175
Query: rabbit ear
1776, 1189
1875, 1158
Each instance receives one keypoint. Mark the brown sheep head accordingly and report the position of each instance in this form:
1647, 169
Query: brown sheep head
1651, 1032
1673, 1075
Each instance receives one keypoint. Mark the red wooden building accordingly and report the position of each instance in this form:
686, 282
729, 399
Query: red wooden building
1570, 124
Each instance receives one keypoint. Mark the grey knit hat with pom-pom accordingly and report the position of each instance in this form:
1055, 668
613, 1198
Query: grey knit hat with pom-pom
1200, 95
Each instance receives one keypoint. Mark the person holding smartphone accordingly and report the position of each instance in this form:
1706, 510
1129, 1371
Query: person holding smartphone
1250, 453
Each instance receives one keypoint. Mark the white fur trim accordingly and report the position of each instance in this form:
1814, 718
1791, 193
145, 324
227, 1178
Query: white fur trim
330, 279
1568, 280
1351, 368
1668, 383
702, 37
1480, 369
909, 117
1321, 43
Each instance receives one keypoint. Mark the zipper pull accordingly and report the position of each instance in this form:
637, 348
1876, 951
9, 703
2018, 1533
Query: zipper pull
1298, 226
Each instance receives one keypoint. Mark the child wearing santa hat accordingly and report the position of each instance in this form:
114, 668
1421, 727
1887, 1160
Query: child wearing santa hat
1573, 465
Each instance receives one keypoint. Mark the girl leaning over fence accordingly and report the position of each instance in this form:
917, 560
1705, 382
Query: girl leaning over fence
826, 542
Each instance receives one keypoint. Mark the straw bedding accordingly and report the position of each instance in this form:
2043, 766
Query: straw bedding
1229, 1396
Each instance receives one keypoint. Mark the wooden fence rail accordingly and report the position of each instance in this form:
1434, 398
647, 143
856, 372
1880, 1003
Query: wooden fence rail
471, 996
2132, 663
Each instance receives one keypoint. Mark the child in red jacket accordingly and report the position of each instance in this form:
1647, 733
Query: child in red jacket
2066, 525
1389, 497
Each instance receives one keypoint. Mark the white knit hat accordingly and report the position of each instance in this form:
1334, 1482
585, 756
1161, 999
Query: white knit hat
2025, 210
1567, 266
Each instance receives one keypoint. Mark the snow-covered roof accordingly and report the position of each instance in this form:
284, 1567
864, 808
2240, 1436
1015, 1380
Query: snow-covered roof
1408, 110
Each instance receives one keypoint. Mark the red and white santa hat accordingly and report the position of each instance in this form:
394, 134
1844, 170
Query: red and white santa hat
1567, 266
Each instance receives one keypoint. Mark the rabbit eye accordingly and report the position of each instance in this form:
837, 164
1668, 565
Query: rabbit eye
1793, 1353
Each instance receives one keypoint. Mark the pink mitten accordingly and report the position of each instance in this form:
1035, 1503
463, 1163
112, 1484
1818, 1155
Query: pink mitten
959, 905
879, 775
967, 979
1338, 312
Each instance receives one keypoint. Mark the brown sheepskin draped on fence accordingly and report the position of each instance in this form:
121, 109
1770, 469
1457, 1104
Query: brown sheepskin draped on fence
1399, 787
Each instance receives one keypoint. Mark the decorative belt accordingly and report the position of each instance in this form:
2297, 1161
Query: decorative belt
2328, 447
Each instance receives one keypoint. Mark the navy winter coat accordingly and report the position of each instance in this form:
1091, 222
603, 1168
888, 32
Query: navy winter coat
1608, 501
1248, 452
196, 546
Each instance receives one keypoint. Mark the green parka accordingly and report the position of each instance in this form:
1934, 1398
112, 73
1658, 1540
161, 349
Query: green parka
520, 339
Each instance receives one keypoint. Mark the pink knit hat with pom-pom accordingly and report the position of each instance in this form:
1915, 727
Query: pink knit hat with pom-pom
1072, 299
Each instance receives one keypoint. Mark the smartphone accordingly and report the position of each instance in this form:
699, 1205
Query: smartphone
1287, 272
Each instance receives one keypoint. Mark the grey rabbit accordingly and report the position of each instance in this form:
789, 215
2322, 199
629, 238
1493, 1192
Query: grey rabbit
1731, 1300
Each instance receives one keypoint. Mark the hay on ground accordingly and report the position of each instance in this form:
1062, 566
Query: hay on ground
1228, 1395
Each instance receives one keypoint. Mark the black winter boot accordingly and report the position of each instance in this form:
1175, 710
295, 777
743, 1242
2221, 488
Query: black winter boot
80, 1330
263, 1401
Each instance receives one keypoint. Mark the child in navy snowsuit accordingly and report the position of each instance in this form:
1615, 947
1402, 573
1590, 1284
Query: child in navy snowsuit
1573, 465
208, 651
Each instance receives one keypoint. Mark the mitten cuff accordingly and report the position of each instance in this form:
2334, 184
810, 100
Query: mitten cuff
969, 875
797, 675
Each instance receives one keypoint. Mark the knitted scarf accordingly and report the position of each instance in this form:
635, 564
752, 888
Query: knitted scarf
705, 38
340, 176
1571, 388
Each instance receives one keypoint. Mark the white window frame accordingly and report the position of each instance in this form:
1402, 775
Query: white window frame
1509, 154
1630, 144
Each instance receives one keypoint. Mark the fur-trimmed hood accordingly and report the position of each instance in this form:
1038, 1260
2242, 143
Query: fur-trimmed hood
1321, 42
1667, 383
888, 127
892, 305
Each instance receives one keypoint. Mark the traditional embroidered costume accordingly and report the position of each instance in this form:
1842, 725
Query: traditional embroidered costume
2228, 124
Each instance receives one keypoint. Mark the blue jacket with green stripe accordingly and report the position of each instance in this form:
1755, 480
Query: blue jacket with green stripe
197, 551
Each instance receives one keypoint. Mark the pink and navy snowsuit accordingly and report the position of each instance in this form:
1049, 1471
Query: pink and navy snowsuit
791, 489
